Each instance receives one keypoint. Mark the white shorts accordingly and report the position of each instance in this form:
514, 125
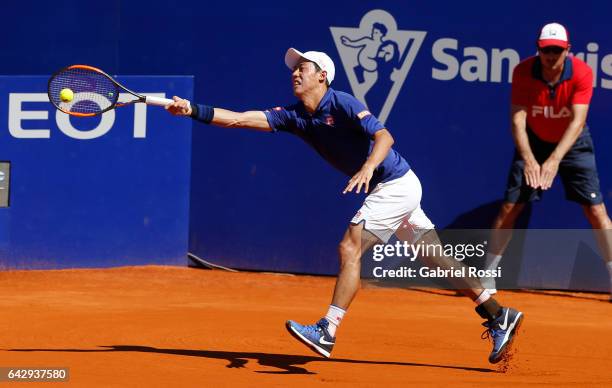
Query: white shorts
393, 204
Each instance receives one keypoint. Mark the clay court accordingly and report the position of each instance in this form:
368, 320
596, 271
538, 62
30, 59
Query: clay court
173, 326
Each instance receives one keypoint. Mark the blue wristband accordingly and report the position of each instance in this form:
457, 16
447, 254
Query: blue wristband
203, 113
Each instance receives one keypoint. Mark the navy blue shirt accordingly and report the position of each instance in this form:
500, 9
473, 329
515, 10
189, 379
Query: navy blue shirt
341, 131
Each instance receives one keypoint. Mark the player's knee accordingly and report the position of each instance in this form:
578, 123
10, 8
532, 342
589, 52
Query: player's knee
597, 214
348, 252
508, 208
508, 212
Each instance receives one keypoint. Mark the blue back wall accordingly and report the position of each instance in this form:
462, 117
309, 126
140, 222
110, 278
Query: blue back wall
266, 201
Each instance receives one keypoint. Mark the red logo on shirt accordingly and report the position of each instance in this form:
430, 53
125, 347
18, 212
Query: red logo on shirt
329, 120
362, 114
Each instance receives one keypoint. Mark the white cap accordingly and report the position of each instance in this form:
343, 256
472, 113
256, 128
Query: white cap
293, 57
553, 34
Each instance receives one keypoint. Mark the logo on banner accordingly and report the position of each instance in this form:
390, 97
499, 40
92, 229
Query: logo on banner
377, 57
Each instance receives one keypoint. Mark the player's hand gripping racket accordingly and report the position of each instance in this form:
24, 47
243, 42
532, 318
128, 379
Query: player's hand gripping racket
82, 90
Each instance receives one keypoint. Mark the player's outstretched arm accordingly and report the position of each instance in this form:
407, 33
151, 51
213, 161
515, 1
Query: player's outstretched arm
252, 119
218, 116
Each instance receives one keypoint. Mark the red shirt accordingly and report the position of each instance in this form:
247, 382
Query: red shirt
549, 108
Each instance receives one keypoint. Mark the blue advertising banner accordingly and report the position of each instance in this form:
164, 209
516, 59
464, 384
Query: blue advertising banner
93, 192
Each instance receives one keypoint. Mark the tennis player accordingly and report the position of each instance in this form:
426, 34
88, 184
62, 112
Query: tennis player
340, 129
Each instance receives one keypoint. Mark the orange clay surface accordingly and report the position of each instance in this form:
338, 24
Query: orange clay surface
181, 327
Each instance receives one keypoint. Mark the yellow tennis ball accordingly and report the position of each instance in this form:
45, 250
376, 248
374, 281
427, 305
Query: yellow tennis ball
66, 95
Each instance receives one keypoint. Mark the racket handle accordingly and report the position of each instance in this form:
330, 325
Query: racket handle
157, 101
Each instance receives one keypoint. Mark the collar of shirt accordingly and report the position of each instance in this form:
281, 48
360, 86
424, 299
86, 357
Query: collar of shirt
323, 104
536, 70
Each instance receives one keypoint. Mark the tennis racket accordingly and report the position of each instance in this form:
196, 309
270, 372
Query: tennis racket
81, 90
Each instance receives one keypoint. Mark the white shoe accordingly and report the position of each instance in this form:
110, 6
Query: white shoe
491, 291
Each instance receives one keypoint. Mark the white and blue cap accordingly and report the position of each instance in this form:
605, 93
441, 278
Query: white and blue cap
293, 57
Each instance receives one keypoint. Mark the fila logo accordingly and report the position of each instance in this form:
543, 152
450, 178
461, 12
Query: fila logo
377, 57
549, 112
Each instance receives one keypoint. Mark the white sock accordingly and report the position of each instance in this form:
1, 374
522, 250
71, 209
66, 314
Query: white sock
483, 297
334, 317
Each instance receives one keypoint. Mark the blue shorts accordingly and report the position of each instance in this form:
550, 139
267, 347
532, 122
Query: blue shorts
577, 170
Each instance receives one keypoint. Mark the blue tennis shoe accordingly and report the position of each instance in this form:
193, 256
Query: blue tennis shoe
314, 336
502, 331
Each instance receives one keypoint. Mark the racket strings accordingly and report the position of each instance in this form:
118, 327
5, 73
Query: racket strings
93, 91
